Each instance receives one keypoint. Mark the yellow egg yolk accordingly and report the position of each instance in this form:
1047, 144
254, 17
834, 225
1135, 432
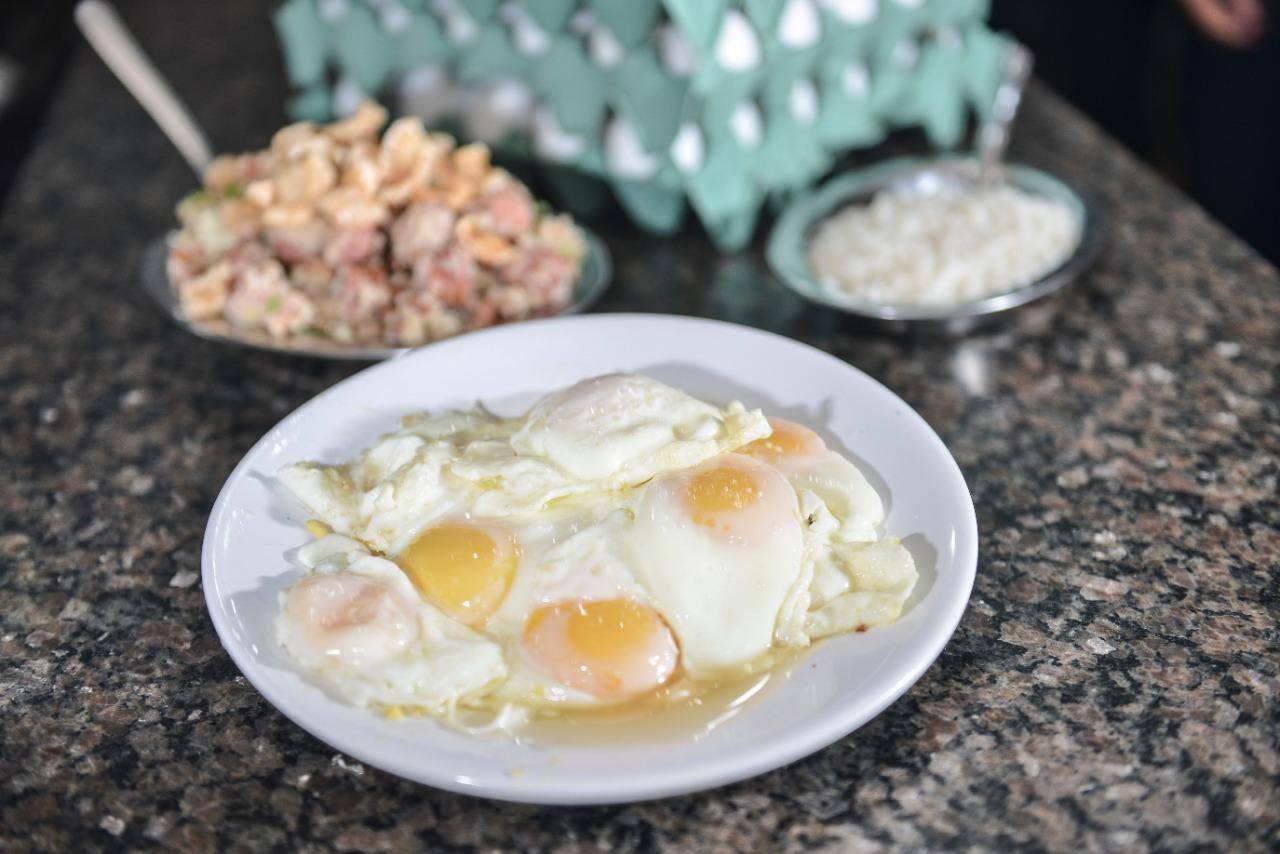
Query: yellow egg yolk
609, 648
788, 439
715, 491
357, 609
348, 619
463, 569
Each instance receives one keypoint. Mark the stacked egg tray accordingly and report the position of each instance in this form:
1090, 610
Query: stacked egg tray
720, 106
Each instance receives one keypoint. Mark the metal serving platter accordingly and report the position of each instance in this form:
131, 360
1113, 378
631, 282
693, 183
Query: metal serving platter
597, 272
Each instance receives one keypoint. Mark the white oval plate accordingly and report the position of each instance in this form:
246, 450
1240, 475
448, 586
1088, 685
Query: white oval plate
839, 685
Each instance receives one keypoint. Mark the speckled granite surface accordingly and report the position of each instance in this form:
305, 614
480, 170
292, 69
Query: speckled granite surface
1112, 686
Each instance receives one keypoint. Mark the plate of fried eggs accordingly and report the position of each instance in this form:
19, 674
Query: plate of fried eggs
592, 560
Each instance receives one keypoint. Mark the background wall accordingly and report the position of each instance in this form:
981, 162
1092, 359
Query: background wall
1204, 114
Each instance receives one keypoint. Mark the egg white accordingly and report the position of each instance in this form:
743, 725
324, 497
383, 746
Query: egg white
721, 591
601, 435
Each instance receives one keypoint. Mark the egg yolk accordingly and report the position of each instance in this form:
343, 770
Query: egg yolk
463, 569
788, 439
609, 648
347, 619
715, 491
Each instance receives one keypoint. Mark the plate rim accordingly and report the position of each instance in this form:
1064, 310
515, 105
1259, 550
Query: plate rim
802, 743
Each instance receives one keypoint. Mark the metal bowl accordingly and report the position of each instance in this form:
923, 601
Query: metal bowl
597, 272
788, 255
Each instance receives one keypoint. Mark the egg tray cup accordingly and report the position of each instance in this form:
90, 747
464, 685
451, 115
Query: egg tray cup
764, 97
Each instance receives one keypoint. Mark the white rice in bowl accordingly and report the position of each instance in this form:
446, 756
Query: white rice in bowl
951, 246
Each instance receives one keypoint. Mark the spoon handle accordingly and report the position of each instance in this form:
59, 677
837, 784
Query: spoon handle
107, 34
993, 134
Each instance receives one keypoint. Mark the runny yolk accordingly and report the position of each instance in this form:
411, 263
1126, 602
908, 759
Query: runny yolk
610, 629
788, 439
360, 607
609, 648
718, 490
463, 569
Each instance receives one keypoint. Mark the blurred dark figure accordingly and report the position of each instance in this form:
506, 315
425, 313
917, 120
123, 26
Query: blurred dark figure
1240, 24
1192, 86
1233, 117
36, 36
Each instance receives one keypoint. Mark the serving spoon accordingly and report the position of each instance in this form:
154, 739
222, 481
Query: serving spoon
111, 40
993, 133
985, 167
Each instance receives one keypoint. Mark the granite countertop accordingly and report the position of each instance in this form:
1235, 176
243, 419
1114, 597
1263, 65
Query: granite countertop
1112, 685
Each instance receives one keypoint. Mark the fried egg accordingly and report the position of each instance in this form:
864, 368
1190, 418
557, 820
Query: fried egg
619, 538
580, 627
358, 625
718, 546
801, 455
623, 428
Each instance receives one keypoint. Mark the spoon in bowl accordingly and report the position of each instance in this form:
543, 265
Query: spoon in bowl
993, 133
984, 169
109, 37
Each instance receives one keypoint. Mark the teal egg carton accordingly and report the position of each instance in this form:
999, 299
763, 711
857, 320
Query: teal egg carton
714, 106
